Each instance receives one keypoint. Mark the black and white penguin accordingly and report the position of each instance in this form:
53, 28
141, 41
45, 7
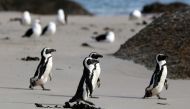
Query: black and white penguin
61, 17
85, 87
107, 37
135, 14
95, 77
158, 80
49, 29
26, 18
43, 71
35, 30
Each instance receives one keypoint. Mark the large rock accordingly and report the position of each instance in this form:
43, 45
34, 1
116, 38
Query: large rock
43, 6
158, 7
169, 34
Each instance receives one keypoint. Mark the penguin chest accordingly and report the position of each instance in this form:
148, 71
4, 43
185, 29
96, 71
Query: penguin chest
47, 71
26, 21
96, 74
61, 19
37, 30
110, 38
160, 85
51, 30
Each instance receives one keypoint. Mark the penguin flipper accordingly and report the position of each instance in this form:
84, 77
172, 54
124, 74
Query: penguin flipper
44, 30
98, 83
157, 77
50, 77
28, 33
153, 78
100, 37
166, 84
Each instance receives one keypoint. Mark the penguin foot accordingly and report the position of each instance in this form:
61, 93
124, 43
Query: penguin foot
144, 97
94, 97
161, 98
67, 105
31, 87
44, 89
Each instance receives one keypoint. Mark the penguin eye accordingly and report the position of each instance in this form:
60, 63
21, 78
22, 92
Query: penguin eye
47, 51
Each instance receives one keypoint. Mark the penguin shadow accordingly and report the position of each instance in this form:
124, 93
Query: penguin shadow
54, 95
40, 105
117, 96
14, 88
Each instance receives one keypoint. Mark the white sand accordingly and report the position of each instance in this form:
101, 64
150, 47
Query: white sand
123, 82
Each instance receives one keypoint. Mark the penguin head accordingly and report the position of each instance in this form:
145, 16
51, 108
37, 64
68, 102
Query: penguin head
161, 59
95, 55
60, 12
52, 23
26, 13
36, 22
46, 52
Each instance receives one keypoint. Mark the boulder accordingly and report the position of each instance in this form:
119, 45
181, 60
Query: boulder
43, 6
168, 34
158, 7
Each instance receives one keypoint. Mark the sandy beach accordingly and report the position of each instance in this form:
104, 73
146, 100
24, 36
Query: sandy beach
122, 81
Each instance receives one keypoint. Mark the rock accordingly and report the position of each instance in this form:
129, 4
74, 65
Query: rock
80, 106
158, 7
30, 58
168, 34
43, 6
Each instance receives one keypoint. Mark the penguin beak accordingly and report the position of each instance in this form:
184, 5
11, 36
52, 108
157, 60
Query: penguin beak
99, 56
52, 50
96, 56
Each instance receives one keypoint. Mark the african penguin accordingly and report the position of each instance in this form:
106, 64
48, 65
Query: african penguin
85, 86
96, 71
43, 71
26, 18
35, 30
49, 29
61, 17
136, 14
158, 80
107, 37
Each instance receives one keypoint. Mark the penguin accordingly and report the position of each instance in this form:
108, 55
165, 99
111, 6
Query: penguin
26, 18
136, 14
107, 37
85, 86
49, 29
43, 71
34, 31
61, 17
96, 71
159, 78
